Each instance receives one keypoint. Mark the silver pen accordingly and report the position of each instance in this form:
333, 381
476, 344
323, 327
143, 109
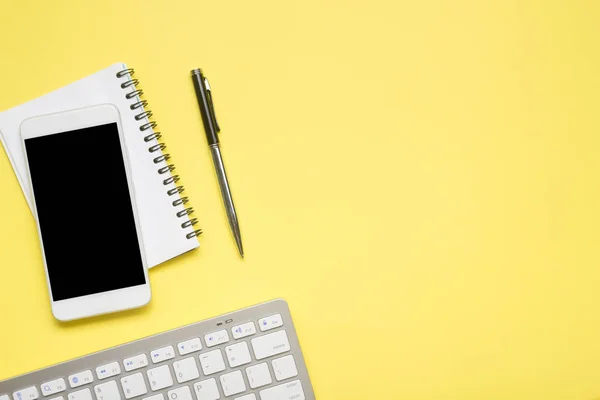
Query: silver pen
211, 127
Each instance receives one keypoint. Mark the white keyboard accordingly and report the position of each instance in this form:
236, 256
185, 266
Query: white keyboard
251, 354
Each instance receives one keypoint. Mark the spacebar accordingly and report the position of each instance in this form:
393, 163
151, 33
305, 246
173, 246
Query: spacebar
287, 391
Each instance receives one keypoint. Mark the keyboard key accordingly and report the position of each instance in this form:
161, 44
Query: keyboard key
250, 396
182, 393
212, 362
55, 386
135, 362
160, 378
162, 354
4, 397
186, 370
134, 385
258, 375
189, 346
108, 370
207, 390
233, 383
58, 398
216, 338
238, 354
270, 345
285, 367
155, 397
288, 391
243, 330
30, 393
83, 394
270, 322
81, 378
107, 391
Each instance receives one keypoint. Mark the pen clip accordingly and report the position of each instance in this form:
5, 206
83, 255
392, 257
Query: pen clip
211, 106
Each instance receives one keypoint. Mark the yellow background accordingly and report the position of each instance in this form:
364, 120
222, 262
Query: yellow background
419, 179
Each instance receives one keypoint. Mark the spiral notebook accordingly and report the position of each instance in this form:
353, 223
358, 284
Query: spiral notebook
168, 227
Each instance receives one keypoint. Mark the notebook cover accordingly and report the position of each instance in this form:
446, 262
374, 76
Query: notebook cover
162, 232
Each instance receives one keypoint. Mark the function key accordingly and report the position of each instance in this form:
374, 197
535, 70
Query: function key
30, 393
162, 354
135, 362
55, 386
243, 330
216, 338
81, 378
270, 322
108, 370
189, 346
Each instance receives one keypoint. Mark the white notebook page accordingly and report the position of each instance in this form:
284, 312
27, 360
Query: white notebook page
163, 236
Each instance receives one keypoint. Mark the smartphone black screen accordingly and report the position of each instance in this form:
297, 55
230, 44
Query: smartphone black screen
85, 213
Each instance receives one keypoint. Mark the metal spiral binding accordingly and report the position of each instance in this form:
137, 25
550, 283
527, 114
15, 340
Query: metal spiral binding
145, 115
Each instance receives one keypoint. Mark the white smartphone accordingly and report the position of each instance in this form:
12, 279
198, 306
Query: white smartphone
85, 210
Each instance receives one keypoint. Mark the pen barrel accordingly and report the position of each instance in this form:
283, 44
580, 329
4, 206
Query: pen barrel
201, 94
223, 182
226, 194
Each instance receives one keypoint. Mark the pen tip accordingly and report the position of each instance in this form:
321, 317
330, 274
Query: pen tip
238, 241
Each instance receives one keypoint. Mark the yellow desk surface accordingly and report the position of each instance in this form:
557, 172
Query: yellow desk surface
419, 179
